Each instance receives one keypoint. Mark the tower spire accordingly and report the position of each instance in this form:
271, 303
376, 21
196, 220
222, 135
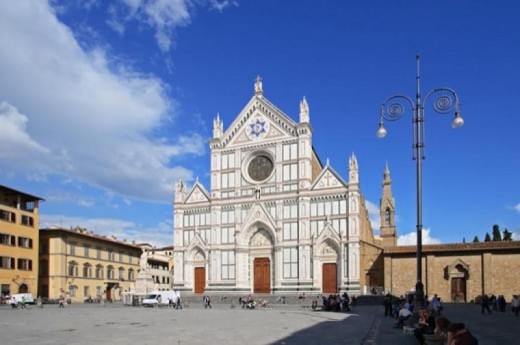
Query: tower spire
258, 86
387, 211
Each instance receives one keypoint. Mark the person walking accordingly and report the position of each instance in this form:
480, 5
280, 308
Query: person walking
485, 304
515, 305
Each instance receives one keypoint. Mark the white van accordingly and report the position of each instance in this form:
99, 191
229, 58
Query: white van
160, 298
27, 296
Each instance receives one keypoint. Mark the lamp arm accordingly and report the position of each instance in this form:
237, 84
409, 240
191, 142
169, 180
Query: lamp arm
447, 100
392, 108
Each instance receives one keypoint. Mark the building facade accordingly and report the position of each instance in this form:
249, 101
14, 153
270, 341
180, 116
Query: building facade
80, 265
19, 223
275, 219
456, 271
159, 267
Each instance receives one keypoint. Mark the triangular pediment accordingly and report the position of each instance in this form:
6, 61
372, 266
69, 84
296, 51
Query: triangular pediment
328, 233
328, 178
258, 213
259, 121
197, 242
197, 194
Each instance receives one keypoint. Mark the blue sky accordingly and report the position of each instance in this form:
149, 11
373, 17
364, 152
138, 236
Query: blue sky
104, 105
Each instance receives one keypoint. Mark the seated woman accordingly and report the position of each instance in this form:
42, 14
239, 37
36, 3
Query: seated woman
459, 335
314, 304
441, 328
426, 325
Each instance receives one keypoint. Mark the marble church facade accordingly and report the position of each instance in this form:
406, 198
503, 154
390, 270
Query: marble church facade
275, 218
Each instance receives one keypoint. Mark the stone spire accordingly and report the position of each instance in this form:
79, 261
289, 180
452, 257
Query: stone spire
353, 170
387, 211
218, 126
258, 86
180, 191
304, 111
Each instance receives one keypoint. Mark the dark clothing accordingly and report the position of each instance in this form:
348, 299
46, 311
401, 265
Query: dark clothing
485, 305
423, 329
465, 338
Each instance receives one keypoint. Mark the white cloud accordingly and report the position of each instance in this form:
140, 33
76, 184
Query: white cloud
222, 4
162, 16
411, 238
373, 214
517, 207
81, 115
161, 233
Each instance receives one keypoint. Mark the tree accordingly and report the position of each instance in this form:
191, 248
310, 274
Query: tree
508, 236
488, 237
476, 240
497, 235
464, 240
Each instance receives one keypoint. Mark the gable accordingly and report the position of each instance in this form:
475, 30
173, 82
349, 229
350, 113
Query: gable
259, 120
197, 194
328, 179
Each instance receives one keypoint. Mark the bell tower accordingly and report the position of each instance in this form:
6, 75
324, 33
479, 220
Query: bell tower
387, 212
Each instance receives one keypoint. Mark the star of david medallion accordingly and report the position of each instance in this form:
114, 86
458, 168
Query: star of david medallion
258, 129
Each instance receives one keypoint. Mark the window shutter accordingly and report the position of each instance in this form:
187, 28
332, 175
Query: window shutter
13, 240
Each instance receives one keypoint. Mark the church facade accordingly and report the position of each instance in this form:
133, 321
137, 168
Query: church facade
275, 218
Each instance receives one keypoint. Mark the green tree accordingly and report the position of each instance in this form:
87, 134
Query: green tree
508, 236
497, 235
464, 240
476, 240
488, 237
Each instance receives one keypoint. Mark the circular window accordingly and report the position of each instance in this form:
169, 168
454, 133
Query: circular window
260, 168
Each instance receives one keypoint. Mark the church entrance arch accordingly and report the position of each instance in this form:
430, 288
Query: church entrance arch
457, 273
261, 249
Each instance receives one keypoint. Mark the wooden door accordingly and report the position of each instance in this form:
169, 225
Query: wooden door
458, 289
262, 275
329, 278
109, 294
200, 279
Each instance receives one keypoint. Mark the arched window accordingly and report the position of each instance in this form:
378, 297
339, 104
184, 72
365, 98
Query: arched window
387, 216
131, 274
99, 272
87, 270
121, 273
110, 272
73, 268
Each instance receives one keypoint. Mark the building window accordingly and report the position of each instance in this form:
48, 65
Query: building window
228, 180
87, 271
129, 258
25, 264
290, 211
7, 216
98, 252
73, 269
25, 242
228, 264
227, 235
227, 216
86, 291
72, 248
72, 290
290, 152
7, 262
27, 220
188, 235
290, 262
110, 272
290, 231
99, 272
228, 161
7, 239
290, 172
98, 291
6, 290
120, 257
121, 273
86, 251
131, 275
110, 255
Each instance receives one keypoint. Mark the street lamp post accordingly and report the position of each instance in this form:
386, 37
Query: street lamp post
392, 109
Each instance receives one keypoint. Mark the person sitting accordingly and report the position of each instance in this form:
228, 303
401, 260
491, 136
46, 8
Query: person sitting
459, 335
426, 325
441, 328
314, 304
262, 303
403, 316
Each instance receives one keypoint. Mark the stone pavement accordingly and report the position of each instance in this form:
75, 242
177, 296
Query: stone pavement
283, 324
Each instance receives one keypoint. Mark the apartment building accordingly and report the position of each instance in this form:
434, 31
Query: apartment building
81, 265
19, 225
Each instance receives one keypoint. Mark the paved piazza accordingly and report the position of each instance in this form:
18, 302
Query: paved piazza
116, 324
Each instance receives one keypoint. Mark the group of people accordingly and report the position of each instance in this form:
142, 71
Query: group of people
333, 302
430, 323
247, 302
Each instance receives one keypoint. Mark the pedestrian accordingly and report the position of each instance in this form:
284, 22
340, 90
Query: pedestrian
387, 302
22, 304
485, 304
61, 302
14, 303
515, 305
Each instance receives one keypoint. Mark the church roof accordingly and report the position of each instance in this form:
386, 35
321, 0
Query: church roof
449, 248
